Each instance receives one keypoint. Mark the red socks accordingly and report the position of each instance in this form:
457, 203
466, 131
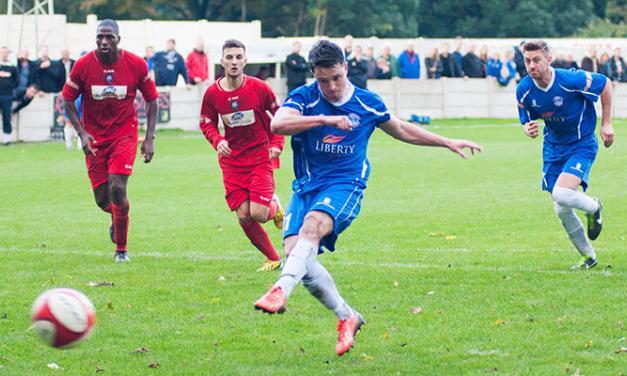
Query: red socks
120, 225
260, 239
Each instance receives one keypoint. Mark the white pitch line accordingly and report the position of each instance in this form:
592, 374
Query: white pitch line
200, 256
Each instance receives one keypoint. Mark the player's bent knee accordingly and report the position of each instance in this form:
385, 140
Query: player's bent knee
563, 196
117, 191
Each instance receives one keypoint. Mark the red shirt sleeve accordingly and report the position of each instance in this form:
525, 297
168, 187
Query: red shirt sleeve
273, 105
146, 84
209, 120
74, 84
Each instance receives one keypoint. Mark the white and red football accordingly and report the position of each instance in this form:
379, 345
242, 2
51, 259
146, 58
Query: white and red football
63, 317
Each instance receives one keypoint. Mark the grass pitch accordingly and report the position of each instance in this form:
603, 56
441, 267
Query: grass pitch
475, 244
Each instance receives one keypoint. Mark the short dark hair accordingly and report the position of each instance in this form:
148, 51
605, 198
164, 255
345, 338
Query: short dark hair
110, 23
325, 54
172, 41
536, 45
233, 43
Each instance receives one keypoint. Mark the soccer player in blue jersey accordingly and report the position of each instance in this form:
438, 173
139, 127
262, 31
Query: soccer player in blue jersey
330, 122
564, 100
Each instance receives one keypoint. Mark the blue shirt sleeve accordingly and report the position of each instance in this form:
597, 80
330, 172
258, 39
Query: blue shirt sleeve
587, 84
297, 99
525, 114
375, 105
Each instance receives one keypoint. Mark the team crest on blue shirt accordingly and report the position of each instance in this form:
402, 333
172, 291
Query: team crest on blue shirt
558, 101
354, 119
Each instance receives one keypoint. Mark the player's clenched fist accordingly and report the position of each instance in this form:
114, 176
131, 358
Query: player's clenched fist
339, 122
531, 129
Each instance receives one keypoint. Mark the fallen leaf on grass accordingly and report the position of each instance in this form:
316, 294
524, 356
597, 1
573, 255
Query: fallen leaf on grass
201, 317
588, 344
215, 300
431, 293
621, 350
367, 357
386, 335
140, 350
219, 228
99, 368
450, 237
437, 234
301, 350
42, 245
154, 365
577, 372
109, 305
4, 316
416, 310
53, 366
395, 283
100, 284
499, 322
221, 278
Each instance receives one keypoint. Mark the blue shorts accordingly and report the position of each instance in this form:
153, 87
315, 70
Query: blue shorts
342, 202
575, 159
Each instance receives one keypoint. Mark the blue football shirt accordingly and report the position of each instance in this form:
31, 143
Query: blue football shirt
326, 155
566, 105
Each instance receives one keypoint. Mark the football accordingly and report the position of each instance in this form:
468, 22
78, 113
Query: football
63, 317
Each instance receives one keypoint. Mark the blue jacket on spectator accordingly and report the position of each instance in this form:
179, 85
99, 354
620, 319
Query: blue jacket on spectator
493, 68
168, 65
409, 65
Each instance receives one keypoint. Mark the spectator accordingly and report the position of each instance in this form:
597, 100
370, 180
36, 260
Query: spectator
617, 67
458, 57
519, 59
68, 63
560, 61
391, 60
197, 64
27, 73
384, 71
494, 68
450, 68
409, 63
604, 65
472, 65
348, 47
372, 63
8, 82
358, 69
296, 68
510, 65
433, 64
590, 62
570, 62
50, 74
263, 73
483, 56
150, 57
169, 64
25, 98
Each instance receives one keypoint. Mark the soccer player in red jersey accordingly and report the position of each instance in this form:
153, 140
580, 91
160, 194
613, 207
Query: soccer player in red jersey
248, 150
108, 79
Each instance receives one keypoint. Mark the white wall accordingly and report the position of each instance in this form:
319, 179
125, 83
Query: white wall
445, 98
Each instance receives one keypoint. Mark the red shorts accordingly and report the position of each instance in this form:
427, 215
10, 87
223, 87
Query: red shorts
255, 184
116, 157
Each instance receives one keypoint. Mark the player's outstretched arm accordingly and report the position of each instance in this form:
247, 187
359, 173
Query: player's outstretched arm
289, 121
148, 148
607, 131
86, 138
412, 134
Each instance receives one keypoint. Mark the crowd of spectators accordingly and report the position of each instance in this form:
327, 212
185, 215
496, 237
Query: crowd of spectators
467, 60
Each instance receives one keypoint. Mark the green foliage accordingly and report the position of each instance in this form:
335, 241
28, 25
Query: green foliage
475, 243
599, 28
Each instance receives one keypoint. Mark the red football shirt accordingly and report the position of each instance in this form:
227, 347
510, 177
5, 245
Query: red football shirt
109, 92
246, 122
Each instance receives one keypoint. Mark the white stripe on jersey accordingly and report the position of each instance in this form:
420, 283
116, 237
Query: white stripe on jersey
580, 119
370, 109
580, 91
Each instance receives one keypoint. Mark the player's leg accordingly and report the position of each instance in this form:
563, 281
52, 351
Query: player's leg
5, 105
68, 134
577, 235
120, 209
575, 172
120, 166
265, 204
257, 236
